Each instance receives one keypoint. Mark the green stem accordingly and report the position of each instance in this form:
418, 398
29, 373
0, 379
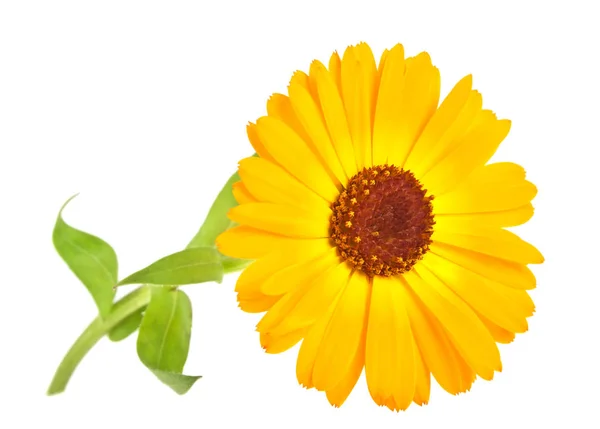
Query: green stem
122, 309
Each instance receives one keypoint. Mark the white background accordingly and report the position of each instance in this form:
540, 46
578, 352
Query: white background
142, 107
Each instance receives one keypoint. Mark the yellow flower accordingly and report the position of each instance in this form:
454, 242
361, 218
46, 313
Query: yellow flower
378, 229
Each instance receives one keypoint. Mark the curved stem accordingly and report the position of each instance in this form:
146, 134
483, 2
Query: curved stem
123, 308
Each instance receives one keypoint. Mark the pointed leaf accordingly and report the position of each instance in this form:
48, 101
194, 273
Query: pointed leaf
231, 265
180, 383
190, 266
90, 258
126, 327
216, 221
164, 337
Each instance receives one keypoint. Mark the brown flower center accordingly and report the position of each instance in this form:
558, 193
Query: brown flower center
382, 222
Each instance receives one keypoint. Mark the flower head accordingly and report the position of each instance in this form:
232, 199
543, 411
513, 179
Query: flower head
378, 229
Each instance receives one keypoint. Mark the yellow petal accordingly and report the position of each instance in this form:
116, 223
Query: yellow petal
252, 303
311, 118
389, 359
241, 194
500, 335
448, 122
298, 251
315, 301
495, 242
497, 172
311, 345
422, 380
494, 219
382, 59
499, 270
279, 106
473, 151
280, 219
251, 300
376, 85
357, 89
292, 153
338, 395
256, 143
468, 334
416, 104
278, 344
481, 198
312, 81
387, 127
345, 331
436, 349
248, 243
299, 282
302, 79
371, 78
335, 68
296, 275
335, 118
484, 296
272, 184
467, 374
453, 136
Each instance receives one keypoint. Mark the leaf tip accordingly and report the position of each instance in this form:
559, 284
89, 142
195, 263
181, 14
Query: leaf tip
67, 202
54, 390
125, 281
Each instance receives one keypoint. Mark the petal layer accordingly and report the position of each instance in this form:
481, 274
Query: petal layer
293, 153
280, 219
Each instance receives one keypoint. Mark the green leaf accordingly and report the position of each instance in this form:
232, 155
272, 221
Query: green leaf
180, 383
126, 327
129, 324
217, 221
189, 266
90, 258
164, 337
231, 265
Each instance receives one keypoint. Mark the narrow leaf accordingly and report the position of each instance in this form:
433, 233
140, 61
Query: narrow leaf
164, 337
127, 326
189, 266
216, 221
90, 258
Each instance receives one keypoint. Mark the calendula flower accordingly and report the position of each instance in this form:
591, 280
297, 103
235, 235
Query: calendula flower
378, 229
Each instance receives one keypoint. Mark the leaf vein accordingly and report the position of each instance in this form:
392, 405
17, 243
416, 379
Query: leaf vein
167, 329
